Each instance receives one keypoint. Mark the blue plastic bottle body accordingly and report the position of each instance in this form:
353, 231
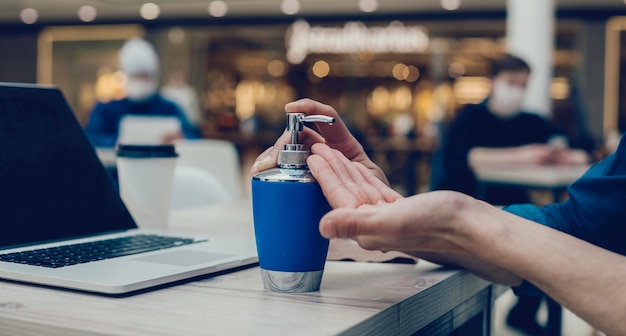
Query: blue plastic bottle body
286, 225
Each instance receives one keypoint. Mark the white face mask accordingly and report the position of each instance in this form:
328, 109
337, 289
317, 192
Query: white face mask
506, 100
139, 90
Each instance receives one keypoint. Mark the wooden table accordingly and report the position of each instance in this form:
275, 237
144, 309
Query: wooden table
356, 298
553, 178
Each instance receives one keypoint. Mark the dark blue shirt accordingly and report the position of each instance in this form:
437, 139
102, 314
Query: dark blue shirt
477, 126
595, 210
104, 121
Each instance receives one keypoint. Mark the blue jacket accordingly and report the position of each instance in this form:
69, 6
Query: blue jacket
595, 210
104, 121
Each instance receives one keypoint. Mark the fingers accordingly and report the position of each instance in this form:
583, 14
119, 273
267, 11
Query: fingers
388, 194
310, 107
268, 159
341, 178
349, 223
337, 135
265, 160
337, 195
365, 225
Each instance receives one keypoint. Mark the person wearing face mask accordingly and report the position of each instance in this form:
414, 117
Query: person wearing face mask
498, 132
140, 63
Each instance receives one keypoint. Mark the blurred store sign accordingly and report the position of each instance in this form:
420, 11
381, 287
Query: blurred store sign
353, 37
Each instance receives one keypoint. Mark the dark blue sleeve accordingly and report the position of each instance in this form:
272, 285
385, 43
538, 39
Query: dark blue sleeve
102, 126
189, 130
596, 208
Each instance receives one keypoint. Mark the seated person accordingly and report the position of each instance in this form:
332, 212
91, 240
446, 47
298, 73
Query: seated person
498, 132
140, 63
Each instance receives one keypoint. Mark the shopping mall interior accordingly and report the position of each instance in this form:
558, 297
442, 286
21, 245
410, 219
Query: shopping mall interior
396, 71
246, 59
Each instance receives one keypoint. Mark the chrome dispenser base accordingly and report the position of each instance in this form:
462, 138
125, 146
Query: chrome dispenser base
292, 282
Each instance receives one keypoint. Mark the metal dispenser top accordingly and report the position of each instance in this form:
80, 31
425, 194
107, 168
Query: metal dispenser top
292, 159
293, 155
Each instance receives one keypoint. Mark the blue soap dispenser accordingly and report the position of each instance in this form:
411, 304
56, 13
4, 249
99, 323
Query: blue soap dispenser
288, 204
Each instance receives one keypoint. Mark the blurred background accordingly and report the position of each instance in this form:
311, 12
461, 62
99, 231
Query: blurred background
395, 70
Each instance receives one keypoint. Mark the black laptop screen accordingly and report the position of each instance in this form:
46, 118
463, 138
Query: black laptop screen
52, 184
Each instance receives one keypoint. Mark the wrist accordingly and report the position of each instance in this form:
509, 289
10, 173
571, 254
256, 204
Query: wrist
473, 226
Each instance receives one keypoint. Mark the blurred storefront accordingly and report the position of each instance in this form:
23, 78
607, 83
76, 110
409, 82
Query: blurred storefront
395, 83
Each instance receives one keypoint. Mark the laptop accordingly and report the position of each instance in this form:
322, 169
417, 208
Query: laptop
62, 220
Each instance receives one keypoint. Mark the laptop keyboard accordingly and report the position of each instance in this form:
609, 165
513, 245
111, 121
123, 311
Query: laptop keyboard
97, 250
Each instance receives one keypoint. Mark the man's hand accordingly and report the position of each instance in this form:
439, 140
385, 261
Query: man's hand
347, 184
425, 222
336, 136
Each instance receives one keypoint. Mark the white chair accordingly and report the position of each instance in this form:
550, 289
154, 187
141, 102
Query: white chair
219, 157
193, 187
147, 129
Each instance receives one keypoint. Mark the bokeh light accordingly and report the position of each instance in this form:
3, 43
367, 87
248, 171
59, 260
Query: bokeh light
290, 7
321, 69
150, 11
218, 8
87, 13
368, 6
29, 15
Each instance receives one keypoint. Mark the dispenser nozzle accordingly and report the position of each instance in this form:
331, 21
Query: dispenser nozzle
294, 155
295, 123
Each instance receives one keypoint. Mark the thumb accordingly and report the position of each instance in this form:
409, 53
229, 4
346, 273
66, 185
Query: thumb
349, 223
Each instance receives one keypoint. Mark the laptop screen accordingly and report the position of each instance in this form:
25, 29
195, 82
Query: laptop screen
52, 184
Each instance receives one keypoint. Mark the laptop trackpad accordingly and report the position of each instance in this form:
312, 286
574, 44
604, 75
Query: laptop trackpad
183, 258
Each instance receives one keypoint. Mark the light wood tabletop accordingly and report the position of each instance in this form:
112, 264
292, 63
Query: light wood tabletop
553, 178
356, 298
532, 175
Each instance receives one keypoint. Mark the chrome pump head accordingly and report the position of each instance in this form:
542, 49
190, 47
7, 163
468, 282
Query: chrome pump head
293, 155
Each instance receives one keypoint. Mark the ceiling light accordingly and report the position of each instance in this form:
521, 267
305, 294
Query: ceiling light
369, 6
321, 69
290, 7
276, 68
400, 71
218, 8
29, 15
87, 13
414, 74
450, 4
149, 11
456, 69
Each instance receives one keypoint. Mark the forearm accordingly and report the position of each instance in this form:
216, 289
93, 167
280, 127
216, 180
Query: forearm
486, 271
584, 278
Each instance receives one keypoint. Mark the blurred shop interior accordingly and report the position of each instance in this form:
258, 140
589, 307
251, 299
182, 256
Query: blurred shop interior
397, 72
